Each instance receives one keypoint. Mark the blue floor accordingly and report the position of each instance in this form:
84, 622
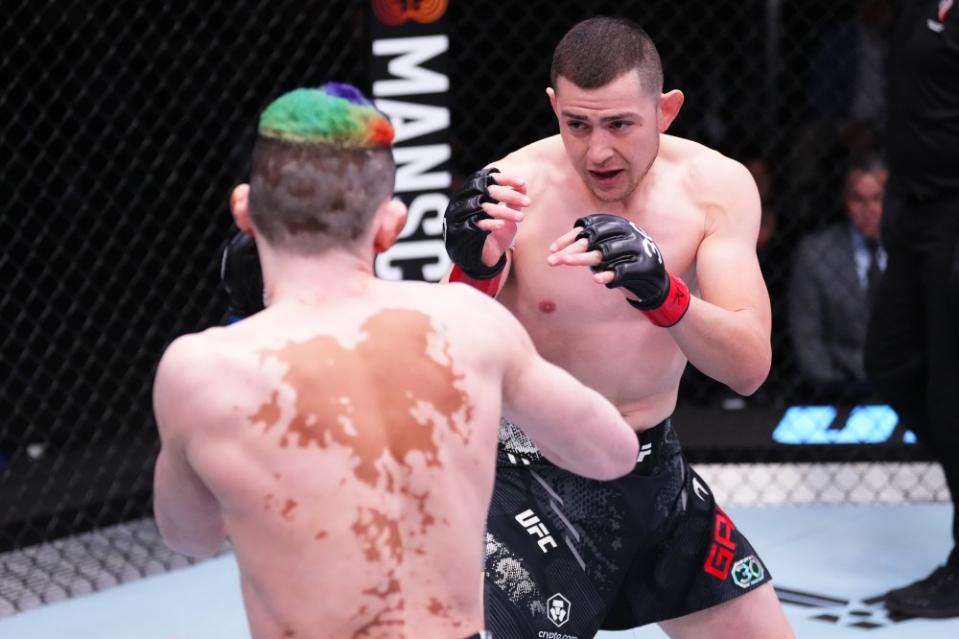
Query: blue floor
832, 559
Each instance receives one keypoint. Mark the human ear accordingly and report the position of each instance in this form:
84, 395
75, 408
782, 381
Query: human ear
669, 105
240, 208
390, 220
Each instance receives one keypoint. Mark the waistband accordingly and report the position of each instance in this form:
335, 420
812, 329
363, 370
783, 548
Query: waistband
653, 443
518, 448
655, 434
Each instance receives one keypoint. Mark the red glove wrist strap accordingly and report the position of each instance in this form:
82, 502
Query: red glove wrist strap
674, 307
490, 286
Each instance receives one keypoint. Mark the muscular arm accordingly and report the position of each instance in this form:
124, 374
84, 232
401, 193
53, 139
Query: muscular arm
726, 331
187, 513
573, 426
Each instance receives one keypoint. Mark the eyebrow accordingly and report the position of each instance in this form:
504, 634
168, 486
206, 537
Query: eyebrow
626, 115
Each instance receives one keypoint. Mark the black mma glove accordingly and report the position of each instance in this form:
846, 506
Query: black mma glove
637, 266
241, 277
464, 240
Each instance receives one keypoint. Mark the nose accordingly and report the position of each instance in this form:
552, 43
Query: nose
600, 150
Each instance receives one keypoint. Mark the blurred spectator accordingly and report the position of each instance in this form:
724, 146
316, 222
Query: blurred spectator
833, 278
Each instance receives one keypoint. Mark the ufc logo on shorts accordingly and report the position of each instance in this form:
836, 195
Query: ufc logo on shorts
528, 520
723, 548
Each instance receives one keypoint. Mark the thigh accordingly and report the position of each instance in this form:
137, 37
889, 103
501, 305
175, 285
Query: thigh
704, 561
756, 615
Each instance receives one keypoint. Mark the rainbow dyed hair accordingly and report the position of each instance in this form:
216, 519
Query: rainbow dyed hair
335, 114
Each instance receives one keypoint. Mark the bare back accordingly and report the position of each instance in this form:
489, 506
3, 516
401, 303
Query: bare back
585, 328
352, 463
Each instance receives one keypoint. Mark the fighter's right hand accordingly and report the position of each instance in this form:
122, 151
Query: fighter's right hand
241, 277
481, 222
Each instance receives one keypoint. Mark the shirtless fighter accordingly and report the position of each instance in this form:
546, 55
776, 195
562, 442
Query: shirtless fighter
625, 253
344, 438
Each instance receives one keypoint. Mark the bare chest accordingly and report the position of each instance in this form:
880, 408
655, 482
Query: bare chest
676, 225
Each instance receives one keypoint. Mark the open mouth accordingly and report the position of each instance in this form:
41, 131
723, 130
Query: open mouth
605, 176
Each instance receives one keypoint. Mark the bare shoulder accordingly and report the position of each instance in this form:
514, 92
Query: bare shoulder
722, 186
531, 159
716, 175
190, 354
189, 367
489, 321
454, 301
708, 172
481, 307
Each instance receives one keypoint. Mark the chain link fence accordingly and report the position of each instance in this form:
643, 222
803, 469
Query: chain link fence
125, 125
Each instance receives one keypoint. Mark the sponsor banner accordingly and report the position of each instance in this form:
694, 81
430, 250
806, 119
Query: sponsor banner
410, 84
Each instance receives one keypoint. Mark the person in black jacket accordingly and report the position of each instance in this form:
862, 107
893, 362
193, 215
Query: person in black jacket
912, 350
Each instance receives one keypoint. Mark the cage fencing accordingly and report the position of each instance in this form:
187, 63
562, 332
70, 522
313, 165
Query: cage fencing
125, 125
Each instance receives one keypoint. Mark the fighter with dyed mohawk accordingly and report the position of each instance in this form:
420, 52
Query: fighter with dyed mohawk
352, 120
344, 437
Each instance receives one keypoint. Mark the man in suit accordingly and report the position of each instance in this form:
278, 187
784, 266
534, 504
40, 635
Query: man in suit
831, 286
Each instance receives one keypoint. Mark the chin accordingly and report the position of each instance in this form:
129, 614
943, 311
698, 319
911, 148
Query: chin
611, 196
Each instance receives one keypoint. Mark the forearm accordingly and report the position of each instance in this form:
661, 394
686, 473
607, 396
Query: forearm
599, 444
732, 347
574, 426
187, 513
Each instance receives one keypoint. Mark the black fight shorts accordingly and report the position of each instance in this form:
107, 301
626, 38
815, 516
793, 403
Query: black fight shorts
567, 556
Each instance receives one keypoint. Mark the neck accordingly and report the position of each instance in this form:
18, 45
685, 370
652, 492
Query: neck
314, 279
632, 201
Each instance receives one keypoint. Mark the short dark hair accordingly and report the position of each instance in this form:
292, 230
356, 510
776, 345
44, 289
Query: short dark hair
866, 162
598, 50
322, 165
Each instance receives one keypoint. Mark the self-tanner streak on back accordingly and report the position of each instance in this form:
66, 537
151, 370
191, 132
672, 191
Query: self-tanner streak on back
344, 437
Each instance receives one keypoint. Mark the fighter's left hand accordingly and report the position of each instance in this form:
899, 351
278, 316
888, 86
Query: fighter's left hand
570, 249
621, 255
